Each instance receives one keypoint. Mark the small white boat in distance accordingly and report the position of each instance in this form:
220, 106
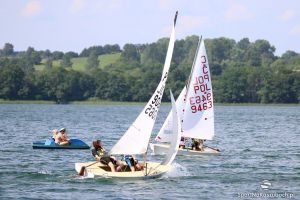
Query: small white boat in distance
135, 141
195, 103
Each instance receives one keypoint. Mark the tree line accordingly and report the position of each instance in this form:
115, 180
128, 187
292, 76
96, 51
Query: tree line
242, 72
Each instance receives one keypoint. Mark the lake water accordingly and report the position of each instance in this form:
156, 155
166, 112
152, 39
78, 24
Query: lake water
257, 142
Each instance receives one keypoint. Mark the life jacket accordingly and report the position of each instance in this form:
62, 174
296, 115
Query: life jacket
99, 152
127, 157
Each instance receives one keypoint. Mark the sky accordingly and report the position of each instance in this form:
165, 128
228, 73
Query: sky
72, 25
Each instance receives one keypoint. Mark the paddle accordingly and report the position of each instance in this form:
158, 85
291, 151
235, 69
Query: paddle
81, 172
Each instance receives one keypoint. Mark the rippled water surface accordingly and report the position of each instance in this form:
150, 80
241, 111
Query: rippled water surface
257, 143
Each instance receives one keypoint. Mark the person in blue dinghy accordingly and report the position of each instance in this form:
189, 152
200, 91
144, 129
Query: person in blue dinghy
62, 138
54, 135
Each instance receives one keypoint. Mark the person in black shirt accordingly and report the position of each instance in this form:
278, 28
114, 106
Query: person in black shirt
101, 155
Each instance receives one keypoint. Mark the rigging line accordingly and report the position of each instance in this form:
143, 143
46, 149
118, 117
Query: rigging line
153, 169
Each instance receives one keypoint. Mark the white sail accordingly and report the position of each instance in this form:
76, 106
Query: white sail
136, 138
198, 118
165, 133
176, 134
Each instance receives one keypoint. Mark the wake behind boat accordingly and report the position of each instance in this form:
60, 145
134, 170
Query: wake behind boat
50, 144
197, 111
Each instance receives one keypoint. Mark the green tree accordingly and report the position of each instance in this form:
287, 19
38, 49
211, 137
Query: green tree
49, 63
281, 87
47, 54
239, 52
71, 54
130, 52
11, 80
8, 49
156, 51
100, 78
233, 86
92, 61
289, 54
66, 62
33, 56
57, 55
117, 89
115, 48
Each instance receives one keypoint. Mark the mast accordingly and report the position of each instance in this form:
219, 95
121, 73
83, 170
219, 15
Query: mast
136, 139
145, 155
175, 18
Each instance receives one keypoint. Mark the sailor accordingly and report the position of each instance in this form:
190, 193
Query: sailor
182, 143
54, 135
102, 156
197, 144
62, 138
132, 163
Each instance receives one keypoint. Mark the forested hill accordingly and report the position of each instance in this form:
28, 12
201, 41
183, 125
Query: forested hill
242, 72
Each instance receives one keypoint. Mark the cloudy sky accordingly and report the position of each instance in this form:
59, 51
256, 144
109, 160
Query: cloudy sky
71, 25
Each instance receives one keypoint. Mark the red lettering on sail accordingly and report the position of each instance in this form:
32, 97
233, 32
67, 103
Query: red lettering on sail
196, 88
201, 88
201, 102
192, 100
206, 77
205, 69
203, 59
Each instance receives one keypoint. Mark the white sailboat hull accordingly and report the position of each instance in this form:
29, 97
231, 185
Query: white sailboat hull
159, 149
152, 170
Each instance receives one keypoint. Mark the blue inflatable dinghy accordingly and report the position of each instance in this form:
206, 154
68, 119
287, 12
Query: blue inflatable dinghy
50, 144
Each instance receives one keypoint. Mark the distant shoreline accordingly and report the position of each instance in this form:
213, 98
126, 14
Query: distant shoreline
107, 102
85, 102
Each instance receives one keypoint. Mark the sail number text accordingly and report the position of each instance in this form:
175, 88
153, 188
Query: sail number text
152, 108
202, 99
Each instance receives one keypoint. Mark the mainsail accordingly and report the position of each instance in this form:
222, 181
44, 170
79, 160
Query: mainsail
136, 138
196, 103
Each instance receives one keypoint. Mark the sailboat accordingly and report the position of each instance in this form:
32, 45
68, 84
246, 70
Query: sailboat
135, 141
197, 110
